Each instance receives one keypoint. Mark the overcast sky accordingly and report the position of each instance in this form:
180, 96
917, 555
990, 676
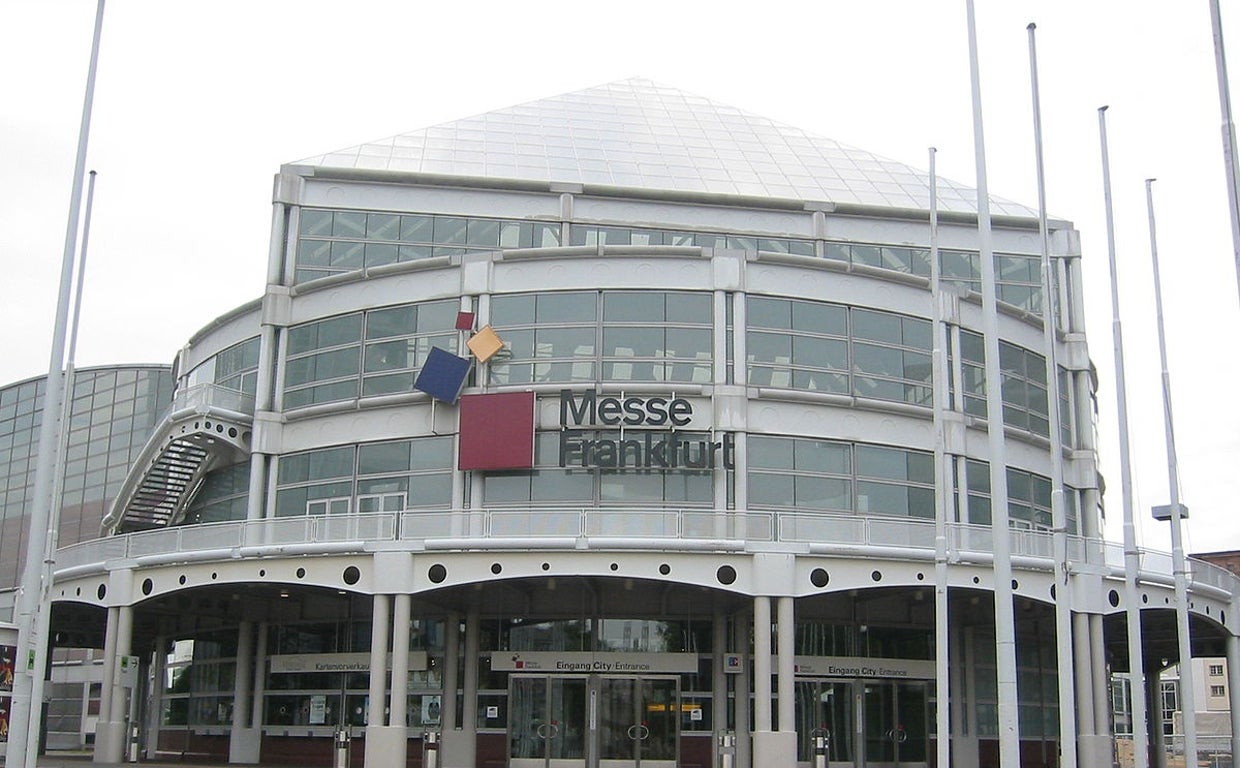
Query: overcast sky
198, 104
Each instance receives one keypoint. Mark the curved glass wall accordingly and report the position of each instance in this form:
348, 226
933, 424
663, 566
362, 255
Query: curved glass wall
333, 242
816, 346
364, 354
234, 368
1024, 386
112, 414
1029, 499
585, 234
370, 477
647, 336
799, 473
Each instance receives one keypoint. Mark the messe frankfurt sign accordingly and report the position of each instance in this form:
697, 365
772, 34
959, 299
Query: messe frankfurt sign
654, 433
647, 446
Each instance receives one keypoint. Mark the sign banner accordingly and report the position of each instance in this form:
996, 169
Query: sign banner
8, 664
337, 662
589, 662
852, 666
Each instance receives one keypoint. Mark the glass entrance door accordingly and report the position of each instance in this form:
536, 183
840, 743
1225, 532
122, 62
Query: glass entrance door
547, 727
593, 722
639, 722
895, 724
825, 708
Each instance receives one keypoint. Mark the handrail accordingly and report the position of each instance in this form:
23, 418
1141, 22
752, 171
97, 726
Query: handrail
659, 528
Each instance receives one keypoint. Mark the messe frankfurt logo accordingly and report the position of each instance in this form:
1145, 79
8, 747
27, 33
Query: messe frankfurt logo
497, 431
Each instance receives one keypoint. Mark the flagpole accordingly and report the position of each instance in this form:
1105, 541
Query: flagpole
25, 716
1132, 557
942, 497
53, 531
1229, 134
1187, 688
1059, 517
1005, 619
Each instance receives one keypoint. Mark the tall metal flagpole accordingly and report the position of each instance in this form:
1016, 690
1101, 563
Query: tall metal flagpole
1132, 557
1059, 516
942, 497
1005, 619
1187, 688
25, 714
1229, 134
44, 619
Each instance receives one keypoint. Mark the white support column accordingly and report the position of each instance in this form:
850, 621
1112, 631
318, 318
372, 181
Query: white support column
243, 743
378, 660
1233, 685
776, 747
786, 638
1100, 686
385, 744
965, 748
740, 642
451, 672
464, 740
1084, 697
719, 675
260, 679
154, 721
109, 665
399, 708
1153, 705
762, 664
110, 731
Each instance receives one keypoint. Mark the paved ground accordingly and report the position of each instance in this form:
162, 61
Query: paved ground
83, 760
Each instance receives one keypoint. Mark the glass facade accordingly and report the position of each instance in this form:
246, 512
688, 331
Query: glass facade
340, 241
235, 368
112, 414
643, 336
364, 354
334, 242
371, 477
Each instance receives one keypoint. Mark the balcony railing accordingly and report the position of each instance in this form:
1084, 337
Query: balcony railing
615, 528
203, 397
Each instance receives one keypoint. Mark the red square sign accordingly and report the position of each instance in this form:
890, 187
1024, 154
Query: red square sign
497, 431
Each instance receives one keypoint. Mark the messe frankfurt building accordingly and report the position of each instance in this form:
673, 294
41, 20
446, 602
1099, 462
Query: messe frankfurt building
621, 428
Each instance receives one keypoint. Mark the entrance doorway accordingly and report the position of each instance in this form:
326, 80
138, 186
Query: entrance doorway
867, 723
595, 721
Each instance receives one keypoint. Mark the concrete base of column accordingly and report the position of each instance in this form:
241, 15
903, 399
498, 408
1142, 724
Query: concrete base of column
244, 745
965, 752
775, 748
457, 749
1094, 751
386, 744
109, 742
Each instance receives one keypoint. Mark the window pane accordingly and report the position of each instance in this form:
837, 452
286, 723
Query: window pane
383, 457
512, 310
566, 308
394, 321
382, 226
768, 313
633, 307
877, 326
449, 230
770, 452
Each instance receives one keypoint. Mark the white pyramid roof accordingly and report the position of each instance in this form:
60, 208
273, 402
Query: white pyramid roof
639, 134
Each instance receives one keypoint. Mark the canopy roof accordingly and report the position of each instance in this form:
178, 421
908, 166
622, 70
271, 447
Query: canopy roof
639, 134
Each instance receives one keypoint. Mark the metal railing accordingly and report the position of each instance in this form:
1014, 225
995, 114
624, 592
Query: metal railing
611, 528
204, 396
